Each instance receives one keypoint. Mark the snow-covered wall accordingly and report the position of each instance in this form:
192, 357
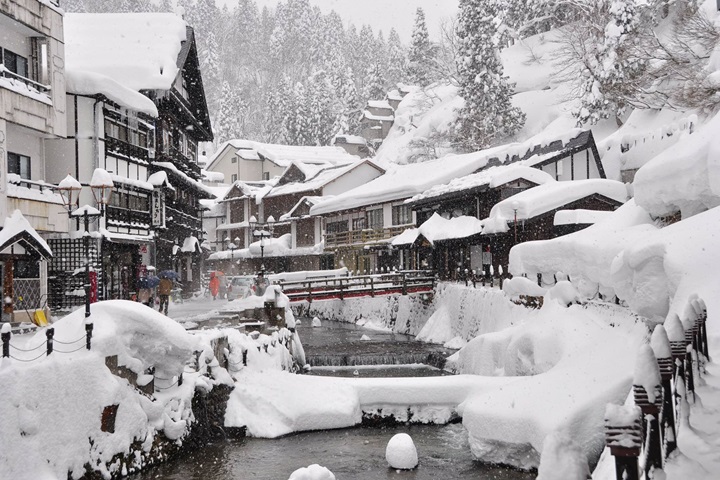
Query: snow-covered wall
471, 312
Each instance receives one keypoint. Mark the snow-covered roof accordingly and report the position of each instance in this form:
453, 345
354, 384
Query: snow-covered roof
378, 118
82, 82
437, 228
216, 177
379, 104
137, 50
404, 181
309, 199
580, 216
16, 229
491, 177
350, 139
160, 179
319, 179
185, 178
550, 196
284, 155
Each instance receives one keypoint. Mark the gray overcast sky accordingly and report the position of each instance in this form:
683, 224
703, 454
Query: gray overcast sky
381, 14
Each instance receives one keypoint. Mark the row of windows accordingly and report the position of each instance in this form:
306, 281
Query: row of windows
401, 215
130, 200
127, 133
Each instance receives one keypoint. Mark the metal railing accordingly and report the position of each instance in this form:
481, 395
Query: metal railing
5, 73
404, 283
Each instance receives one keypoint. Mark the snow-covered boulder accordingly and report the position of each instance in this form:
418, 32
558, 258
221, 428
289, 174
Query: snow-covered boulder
519, 285
564, 293
312, 472
316, 322
401, 453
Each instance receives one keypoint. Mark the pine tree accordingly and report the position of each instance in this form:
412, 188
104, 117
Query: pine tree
612, 64
74, 6
374, 88
349, 118
229, 121
488, 114
324, 109
397, 59
421, 53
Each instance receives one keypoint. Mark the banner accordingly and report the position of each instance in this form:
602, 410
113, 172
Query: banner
93, 287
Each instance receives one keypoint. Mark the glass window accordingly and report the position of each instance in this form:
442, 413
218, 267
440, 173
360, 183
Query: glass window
334, 227
19, 165
358, 224
15, 63
401, 215
375, 218
233, 177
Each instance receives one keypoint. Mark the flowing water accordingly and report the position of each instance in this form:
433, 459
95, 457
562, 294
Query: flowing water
351, 454
343, 349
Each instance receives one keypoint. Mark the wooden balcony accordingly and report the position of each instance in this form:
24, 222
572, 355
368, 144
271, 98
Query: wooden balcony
363, 237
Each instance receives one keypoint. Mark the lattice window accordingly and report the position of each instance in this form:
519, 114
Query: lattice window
26, 293
66, 270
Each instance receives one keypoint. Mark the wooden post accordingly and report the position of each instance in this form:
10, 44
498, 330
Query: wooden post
50, 333
372, 287
663, 352
690, 345
88, 334
651, 412
539, 277
342, 290
623, 436
6, 335
404, 284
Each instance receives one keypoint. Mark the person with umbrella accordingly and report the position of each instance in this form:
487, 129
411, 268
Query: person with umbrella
214, 285
164, 290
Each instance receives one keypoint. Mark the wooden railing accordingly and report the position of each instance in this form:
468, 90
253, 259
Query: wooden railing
365, 236
359, 286
649, 429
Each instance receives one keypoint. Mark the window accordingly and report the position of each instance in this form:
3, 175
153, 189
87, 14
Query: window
375, 219
266, 175
233, 177
358, 224
19, 165
15, 63
233, 160
401, 215
335, 227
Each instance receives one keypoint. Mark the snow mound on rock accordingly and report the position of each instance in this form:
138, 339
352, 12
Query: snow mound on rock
401, 453
313, 472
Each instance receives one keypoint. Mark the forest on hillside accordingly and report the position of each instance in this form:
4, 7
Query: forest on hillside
297, 76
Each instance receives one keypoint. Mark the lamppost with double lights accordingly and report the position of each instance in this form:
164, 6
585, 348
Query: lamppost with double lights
101, 186
266, 231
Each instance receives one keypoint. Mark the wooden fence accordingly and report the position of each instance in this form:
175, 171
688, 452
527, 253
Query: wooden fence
641, 436
359, 286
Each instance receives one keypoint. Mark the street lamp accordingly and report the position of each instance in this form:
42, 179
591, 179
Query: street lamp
266, 231
69, 188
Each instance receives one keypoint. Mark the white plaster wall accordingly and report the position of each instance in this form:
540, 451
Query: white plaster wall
358, 176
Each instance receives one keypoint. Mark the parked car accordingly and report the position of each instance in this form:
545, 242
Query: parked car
240, 286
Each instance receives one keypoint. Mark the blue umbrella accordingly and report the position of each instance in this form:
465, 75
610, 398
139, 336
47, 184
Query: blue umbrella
171, 274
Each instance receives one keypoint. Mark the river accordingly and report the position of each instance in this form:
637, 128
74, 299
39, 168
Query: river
354, 453
351, 454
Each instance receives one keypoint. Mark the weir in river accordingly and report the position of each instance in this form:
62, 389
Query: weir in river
338, 344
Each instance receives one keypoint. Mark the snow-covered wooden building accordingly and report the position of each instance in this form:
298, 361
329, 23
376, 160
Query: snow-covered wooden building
32, 115
136, 109
296, 242
363, 227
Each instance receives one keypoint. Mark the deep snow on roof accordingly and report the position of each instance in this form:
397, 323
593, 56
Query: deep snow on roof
492, 177
319, 179
545, 198
284, 155
137, 50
